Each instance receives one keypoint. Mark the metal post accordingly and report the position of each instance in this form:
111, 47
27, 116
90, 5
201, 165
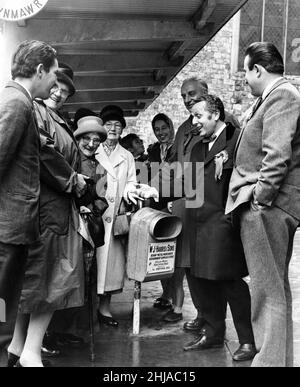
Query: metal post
91, 322
137, 297
136, 307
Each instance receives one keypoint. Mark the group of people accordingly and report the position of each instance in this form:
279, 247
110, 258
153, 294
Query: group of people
53, 170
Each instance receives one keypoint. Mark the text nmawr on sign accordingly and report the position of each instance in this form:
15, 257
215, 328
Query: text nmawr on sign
13, 10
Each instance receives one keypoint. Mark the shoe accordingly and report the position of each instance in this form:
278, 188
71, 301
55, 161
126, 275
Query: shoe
172, 317
107, 320
245, 352
12, 360
18, 364
67, 339
162, 303
204, 342
50, 347
194, 325
50, 351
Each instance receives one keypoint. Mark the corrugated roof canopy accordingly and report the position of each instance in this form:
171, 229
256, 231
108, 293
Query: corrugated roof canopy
125, 51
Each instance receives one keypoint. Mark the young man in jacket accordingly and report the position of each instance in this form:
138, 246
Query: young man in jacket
34, 67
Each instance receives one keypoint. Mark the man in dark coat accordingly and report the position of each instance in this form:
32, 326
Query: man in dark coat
186, 137
217, 260
34, 67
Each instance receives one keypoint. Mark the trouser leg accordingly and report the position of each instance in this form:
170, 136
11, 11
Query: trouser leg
238, 297
12, 268
267, 235
211, 303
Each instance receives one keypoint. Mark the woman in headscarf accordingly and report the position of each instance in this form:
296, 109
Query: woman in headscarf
161, 152
163, 130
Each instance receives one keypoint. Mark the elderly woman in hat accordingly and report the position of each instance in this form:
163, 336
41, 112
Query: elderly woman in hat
119, 166
89, 134
54, 278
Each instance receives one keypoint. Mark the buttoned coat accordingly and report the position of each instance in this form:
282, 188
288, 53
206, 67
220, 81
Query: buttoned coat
121, 174
267, 157
179, 207
19, 167
216, 248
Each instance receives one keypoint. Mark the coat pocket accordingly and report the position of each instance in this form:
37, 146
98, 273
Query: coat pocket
54, 215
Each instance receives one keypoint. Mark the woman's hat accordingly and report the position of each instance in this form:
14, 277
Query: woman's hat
90, 124
113, 112
65, 75
80, 113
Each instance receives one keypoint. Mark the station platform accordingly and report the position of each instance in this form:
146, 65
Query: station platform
160, 344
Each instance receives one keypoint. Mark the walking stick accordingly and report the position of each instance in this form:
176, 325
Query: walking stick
91, 321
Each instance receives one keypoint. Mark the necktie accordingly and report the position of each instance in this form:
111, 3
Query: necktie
206, 141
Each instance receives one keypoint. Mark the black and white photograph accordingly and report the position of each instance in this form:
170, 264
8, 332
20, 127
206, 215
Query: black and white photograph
149, 186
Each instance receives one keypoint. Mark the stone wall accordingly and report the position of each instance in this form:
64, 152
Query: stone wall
213, 63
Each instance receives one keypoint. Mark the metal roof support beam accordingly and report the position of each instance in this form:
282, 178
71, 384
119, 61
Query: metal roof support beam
96, 105
201, 17
120, 82
177, 49
120, 61
125, 96
68, 31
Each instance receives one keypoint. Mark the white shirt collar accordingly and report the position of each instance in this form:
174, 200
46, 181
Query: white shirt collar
217, 133
269, 87
24, 87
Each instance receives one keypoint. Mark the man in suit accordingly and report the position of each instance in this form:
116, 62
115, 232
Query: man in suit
34, 67
186, 137
217, 259
264, 194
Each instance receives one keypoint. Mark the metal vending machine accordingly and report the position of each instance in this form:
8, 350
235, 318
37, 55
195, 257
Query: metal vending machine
151, 251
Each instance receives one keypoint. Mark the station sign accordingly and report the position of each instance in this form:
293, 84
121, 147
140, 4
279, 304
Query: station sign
16, 10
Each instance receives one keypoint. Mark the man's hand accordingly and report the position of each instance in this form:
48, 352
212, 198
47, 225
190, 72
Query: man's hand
81, 185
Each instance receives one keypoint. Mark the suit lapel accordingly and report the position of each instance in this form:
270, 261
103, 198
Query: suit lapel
56, 117
103, 159
277, 84
218, 146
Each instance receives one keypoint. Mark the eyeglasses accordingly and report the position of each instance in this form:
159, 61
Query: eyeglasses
87, 140
64, 92
116, 125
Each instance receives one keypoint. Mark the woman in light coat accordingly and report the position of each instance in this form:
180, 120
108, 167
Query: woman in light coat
119, 166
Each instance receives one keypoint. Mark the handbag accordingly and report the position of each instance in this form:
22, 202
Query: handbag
96, 227
122, 221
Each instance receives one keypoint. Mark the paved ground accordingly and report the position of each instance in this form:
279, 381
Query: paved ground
160, 344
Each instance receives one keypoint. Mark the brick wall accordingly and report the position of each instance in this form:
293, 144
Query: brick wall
213, 64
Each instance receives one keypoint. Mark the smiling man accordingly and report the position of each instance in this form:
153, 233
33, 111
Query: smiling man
264, 194
217, 260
